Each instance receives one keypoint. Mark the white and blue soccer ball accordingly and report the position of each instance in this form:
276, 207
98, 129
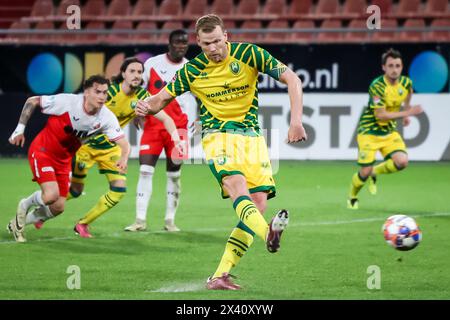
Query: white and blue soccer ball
402, 232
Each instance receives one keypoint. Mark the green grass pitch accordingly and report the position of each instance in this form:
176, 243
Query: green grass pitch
325, 252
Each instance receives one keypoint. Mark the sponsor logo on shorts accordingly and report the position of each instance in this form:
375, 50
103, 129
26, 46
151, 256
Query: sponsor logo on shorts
47, 169
145, 147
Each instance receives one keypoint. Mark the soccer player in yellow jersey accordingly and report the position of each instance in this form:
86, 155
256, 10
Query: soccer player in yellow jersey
123, 94
224, 78
377, 126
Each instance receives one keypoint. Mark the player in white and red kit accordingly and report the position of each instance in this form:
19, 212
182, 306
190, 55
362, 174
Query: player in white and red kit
158, 71
73, 118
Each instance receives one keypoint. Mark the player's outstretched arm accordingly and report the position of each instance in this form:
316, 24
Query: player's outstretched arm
170, 126
122, 164
296, 131
17, 138
153, 104
383, 114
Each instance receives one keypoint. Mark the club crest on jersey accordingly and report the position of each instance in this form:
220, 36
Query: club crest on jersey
133, 104
400, 91
376, 99
235, 67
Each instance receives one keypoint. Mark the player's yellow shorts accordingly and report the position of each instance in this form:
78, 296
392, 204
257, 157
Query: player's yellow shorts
369, 144
229, 154
106, 160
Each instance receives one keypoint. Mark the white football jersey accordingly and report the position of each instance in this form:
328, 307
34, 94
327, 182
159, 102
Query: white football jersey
158, 71
74, 119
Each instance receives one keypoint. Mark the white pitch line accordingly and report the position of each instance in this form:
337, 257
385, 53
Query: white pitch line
179, 287
292, 225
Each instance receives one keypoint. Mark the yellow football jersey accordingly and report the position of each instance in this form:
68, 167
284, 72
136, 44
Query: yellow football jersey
122, 105
382, 94
227, 90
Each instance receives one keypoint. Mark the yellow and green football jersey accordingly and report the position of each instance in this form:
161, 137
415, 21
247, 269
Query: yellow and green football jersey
382, 94
122, 105
227, 90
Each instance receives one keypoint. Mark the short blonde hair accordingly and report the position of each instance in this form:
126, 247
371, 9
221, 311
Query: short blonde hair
208, 23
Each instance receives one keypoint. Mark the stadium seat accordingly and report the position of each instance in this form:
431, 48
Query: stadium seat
327, 36
195, 9
247, 7
412, 36
407, 8
384, 5
439, 35
387, 36
299, 8
274, 7
119, 37
21, 38
169, 26
436, 7
42, 8
357, 36
40, 37
118, 8
354, 8
249, 36
147, 38
274, 37
91, 37
62, 8
224, 8
302, 37
327, 8
93, 9
170, 8
144, 8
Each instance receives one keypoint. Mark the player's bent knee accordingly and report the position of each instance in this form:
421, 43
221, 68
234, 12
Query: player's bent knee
146, 170
365, 171
401, 164
50, 197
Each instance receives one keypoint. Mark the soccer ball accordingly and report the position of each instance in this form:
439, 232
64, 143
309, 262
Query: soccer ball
402, 232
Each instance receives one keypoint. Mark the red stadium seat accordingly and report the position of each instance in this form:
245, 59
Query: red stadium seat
327, 36
144, 8
169, 26
148, 38
93, 9
275, 37
274, 7
119, 37
302, 36
357, 36
412, 35
436, 7
170, 8
39, 37
300, 7
118, 8
384, 5
223, 8
439, 35
327, 7
354, 8
42, 8
407, 7
91, 37
387, 36
249, 36
247, 7
62, 8
195, 8
21, 38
